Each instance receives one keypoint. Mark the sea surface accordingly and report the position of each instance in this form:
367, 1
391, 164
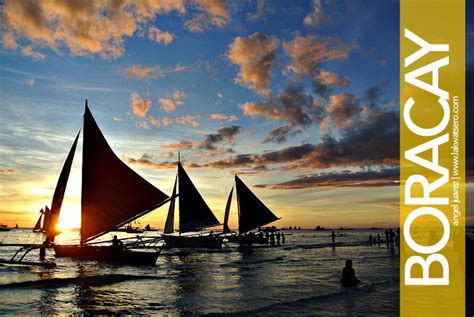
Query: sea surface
298, 278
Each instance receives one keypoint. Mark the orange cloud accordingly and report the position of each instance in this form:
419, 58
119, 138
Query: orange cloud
97, 27
28, 51
167, 104
170, 104
10, 171
182, 145
342, 109
155, 34
9, 41
213, 13
84, 27
329, 78
223, 117
307, 52
146, 72
253, 109
188, 120
140, 106
255, 55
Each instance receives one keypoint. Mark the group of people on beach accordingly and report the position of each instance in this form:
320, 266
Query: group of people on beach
392, 238
272, 237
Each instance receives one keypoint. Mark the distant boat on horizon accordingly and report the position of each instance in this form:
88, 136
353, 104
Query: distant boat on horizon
4, 228
112, 196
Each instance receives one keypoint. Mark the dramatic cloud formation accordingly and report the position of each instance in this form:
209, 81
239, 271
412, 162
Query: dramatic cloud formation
308, 52
376, 178
255, 55
316, 17
373, 141
146, 72
213, 13
97, 27
224, 135
140, 106
155, 34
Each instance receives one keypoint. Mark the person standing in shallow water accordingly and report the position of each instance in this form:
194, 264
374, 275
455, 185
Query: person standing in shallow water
333, 237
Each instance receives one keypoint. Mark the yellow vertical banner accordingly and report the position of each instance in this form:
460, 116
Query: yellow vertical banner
432, 157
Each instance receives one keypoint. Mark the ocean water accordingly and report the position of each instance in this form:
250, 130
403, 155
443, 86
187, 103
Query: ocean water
299, 278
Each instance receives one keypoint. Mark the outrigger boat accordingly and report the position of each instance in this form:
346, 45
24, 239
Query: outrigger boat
112, 196
194, 215
252, 212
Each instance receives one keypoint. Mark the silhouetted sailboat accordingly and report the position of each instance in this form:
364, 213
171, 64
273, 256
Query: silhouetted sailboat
38, 226
194, 214
252, 212
112, 196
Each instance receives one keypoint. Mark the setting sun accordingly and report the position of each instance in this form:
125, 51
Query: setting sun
70, 216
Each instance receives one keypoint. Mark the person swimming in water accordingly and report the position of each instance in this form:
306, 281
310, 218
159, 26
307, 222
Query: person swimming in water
348, 277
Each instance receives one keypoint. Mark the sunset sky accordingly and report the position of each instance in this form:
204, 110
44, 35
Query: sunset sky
298, 97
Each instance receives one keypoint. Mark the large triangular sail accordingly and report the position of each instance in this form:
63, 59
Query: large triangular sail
169, 224
194, 213
252, 212
227, 211
58, 197
112, 193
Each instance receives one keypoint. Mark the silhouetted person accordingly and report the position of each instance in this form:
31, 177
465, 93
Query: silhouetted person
370, 239
42, 251
333, 238
282, 238
116, 242
378, 238
272, 238
278, 237
386, 237
348, 277
267, 237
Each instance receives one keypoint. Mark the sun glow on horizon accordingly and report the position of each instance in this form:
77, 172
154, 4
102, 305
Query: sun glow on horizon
70, 216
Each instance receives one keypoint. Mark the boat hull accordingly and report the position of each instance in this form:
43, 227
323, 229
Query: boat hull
106, 254
193, 242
